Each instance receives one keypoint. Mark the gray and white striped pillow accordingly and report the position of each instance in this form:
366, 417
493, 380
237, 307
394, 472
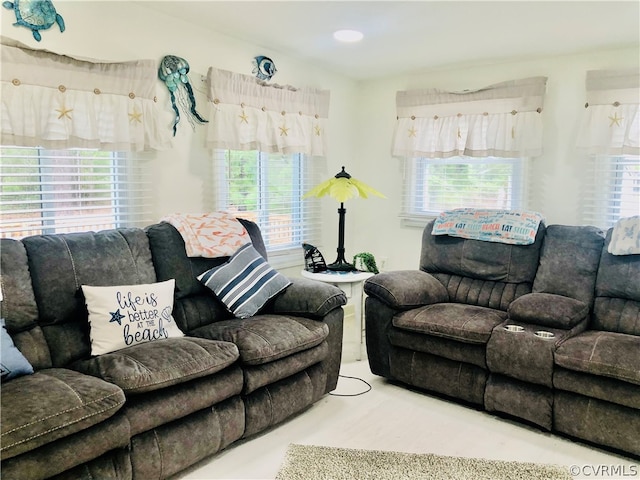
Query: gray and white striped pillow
245, 282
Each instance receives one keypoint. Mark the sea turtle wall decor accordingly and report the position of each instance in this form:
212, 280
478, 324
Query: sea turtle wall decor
35, 15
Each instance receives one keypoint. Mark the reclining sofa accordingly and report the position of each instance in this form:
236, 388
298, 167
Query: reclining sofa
547, 333
152, 409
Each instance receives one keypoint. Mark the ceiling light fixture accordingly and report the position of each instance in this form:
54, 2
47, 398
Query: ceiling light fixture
349, 36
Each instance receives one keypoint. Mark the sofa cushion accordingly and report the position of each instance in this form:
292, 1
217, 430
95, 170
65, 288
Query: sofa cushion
61, 264
171, 261
125, 315
306, 298
406, 289
616, 274
481, 260
606, 354
12, 362
596, 386
151, 366
245, 282
51, 404
569, 261
549, 310
464, 323
265, 338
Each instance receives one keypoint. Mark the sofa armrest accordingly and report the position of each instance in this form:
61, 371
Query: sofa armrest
406, 289
548, 309
307, 297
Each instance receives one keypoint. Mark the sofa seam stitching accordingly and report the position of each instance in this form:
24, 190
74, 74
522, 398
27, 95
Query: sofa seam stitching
5, 447
60, 413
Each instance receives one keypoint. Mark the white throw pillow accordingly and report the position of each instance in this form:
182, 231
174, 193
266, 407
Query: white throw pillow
125, 315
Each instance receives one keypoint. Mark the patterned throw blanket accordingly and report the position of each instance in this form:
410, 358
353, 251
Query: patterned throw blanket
210, 235
625, 237
503, 226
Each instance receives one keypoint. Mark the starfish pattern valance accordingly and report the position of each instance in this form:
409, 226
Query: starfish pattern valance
60, 102
502, 120
249, 114
611, 120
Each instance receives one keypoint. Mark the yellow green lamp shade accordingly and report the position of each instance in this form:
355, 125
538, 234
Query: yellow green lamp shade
342, 187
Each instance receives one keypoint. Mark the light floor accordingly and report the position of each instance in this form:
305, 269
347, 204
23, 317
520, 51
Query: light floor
390, 417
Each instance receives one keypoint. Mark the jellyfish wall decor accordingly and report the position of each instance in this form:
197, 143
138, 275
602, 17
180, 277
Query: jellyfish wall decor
173, 72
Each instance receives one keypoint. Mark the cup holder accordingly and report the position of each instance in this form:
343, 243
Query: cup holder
514, 328
544, 334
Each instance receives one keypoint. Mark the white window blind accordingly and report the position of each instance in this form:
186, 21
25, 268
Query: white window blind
61, 191
434, 185
611, 189
268, 189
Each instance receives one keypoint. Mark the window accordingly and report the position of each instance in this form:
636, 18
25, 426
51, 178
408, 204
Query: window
434, 185
268, 189
611, 189
60, 191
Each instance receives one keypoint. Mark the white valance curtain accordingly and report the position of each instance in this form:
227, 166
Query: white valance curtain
59, 102
502, 120
611, 123
247, 114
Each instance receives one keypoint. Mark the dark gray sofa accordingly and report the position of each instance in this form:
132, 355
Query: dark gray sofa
150, 410
467, 323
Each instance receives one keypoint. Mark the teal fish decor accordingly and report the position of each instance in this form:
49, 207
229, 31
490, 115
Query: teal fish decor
263, 67
173, 72
35, 15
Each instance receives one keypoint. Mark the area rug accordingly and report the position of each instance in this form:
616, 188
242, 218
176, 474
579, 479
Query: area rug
308, 462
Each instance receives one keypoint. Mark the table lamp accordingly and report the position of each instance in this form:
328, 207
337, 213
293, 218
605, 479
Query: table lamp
342, 187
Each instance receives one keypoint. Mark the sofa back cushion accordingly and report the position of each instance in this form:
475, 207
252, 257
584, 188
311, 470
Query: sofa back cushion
569, 262
61, 264
19, 308
617, 303
487, 274
195, 305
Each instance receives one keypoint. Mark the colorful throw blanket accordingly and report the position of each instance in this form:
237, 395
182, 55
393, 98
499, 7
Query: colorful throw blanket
210, 235
502, 226
625, 237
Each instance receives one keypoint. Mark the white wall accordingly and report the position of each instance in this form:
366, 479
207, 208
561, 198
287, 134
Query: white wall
555, 186
362, 116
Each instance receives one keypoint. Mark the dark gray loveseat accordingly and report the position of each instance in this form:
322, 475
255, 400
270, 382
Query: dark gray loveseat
548, 333
150, 410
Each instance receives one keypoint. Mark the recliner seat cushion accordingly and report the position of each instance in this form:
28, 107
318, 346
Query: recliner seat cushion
595, 386
257, 376
465, 323
607, 354
265, 338
51, 404
155, 365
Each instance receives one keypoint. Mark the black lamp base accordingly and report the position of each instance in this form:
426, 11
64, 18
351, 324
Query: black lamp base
341, 266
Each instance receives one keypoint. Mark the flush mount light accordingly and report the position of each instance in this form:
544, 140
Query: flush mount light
348, 35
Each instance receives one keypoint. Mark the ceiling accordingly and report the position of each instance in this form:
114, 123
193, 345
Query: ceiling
406, 36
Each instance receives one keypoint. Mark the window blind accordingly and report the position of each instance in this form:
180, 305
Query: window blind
434, 185
268, 189
61, 191
611, 189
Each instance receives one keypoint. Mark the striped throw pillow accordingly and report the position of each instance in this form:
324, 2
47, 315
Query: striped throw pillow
245, 282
